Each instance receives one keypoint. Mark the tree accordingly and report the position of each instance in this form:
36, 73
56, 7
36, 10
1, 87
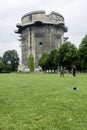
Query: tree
11, 59
67, 55
52, 60
1, 58
31, 62
4, 68
43, 62
1, 66
83, 53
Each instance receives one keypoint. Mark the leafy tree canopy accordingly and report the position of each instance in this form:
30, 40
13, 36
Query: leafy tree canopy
52, 60
43, 62
67, 54
83, 52
11, 58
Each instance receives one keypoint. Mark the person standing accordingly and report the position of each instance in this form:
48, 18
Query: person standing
74, 70
61, 72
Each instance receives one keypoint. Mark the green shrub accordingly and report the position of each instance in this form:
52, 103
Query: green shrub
31, 62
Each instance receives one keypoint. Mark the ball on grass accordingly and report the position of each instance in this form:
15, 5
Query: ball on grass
75, 88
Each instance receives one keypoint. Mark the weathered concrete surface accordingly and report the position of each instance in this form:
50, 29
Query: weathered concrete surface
40, 33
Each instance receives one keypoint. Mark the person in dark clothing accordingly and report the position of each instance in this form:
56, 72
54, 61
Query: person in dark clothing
74, 70
61, 71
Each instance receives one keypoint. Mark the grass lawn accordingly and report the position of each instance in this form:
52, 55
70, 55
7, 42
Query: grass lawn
43, 102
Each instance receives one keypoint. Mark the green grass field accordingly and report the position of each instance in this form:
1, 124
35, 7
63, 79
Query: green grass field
43, 102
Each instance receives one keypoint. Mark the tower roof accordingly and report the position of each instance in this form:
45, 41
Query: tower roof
39, 18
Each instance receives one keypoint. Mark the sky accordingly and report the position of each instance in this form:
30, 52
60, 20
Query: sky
11, 12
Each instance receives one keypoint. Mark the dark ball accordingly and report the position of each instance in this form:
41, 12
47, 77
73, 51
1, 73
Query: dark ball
74, 88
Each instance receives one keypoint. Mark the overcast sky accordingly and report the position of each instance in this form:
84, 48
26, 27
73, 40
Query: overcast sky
11, 11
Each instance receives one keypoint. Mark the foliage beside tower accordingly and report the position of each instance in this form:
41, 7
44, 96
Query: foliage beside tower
31, 62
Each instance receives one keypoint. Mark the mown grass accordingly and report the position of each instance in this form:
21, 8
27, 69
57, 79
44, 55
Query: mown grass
43, 102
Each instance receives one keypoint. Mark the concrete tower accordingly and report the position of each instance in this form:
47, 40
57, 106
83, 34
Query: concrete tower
40, 33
